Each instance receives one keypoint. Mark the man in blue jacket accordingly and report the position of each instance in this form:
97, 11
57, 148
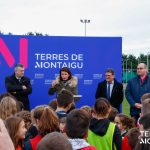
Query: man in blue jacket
136, 87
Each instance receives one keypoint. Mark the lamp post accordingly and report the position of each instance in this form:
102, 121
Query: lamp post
123, 69
123, 65
139, 60
131, 68
126, 69
85, 21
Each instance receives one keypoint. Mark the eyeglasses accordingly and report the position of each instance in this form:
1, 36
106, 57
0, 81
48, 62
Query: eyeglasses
140, 68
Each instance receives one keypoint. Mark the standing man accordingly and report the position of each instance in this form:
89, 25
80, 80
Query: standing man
110, 89
19, 85
135, 89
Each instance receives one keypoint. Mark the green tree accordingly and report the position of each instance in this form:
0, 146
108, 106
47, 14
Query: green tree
132, 62
30, 33
1, 32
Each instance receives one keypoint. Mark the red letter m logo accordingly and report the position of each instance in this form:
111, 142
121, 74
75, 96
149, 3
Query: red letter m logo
23, 52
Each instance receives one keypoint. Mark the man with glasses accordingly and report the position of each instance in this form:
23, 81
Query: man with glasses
136, 87
110, 89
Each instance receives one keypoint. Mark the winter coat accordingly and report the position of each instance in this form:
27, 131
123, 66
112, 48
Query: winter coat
70, 85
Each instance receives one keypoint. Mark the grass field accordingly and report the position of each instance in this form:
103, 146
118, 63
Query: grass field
125, 107
125, 104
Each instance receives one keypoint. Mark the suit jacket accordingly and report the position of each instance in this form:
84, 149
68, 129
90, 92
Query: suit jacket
134, 91
14, 87
116, 95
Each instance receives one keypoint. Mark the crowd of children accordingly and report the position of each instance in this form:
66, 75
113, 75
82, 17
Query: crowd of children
61, 126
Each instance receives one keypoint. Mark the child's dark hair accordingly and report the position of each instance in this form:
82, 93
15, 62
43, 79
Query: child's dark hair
77, 124
102, 106
72, 107
145, 106
113, 114
126, 121
53, 104
64, 98
144, 97
145, 121
133, 135
143, 142
12, 125
26, 116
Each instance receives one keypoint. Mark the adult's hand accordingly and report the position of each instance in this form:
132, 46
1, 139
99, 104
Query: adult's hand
138, 105
54, 83
24, 87
5, 140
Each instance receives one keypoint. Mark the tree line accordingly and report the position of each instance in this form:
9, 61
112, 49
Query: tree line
29, 33
130, 61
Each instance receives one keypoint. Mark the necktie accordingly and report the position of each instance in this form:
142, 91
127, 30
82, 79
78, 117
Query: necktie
19, 79
108, 91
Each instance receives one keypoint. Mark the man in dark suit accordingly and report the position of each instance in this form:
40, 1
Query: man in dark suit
110, 89
19, 86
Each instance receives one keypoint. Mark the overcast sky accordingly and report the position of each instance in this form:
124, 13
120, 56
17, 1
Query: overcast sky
129, 19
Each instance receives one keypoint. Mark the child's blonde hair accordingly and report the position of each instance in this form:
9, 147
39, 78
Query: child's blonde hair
8, 107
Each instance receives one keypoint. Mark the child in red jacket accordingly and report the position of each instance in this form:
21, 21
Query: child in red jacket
130, 140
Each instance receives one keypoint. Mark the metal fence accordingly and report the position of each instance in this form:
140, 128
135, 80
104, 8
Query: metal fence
128, 74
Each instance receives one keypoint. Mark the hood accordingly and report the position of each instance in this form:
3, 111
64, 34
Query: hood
99, 126
72, 82
78, 143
